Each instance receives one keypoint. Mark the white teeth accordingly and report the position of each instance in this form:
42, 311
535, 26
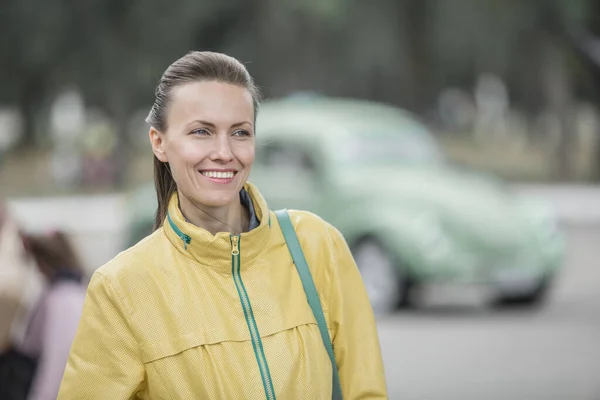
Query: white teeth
218, 175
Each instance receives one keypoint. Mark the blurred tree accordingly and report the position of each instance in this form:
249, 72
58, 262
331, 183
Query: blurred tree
33, 44
556, 81
591, 48
401, 52
584, 42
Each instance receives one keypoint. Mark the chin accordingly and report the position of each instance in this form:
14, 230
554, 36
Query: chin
217, 200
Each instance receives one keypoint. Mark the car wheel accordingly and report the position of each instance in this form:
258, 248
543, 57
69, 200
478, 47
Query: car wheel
532, 298
385, 282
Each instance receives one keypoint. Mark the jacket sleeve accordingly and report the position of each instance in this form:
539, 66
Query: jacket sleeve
104, 361
354, 331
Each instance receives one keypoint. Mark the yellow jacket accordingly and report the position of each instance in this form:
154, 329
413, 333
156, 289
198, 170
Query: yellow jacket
178, 316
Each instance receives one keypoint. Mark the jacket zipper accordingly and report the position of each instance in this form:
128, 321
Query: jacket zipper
251, 322
186, 239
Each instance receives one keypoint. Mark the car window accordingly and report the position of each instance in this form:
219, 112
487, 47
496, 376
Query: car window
286, 156
375, 146
384, 149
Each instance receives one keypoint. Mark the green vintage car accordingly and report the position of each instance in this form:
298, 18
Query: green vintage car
410, 216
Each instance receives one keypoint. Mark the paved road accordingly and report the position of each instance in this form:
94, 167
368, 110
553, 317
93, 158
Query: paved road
461, 352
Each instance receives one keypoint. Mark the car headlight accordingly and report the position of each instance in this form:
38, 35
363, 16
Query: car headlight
542, 218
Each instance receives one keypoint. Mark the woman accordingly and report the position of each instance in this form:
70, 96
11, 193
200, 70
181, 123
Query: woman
13, 272
20, 288
210, 305
54, 321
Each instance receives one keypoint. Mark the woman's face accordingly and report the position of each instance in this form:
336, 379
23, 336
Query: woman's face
209, 142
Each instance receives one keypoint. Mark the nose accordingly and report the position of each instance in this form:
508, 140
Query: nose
222, 149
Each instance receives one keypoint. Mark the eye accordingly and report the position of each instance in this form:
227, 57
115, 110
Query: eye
200, 132
241, 133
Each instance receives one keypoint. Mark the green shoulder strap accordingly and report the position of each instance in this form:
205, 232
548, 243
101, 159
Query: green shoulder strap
312, 296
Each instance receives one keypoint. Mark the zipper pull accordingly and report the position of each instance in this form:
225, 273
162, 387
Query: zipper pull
235, 248
186, 240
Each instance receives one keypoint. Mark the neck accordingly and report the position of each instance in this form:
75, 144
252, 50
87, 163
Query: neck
232, 218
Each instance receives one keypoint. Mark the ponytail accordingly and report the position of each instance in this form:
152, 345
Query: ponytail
165, 187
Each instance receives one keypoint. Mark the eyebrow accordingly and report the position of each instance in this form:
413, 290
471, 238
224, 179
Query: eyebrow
210, 124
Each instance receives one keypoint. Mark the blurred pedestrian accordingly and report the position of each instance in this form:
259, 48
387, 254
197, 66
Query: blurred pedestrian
12, 256
20, 287
53, 323
211, 306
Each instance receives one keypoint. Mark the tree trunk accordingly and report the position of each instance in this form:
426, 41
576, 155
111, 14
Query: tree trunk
29, 105
418, 44
594, 28
558, 95
118, 109
122, 152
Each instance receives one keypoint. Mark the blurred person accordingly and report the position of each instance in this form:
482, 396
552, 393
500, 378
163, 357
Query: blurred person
210, 305
99, 147
54, 321
20, 287
11, 275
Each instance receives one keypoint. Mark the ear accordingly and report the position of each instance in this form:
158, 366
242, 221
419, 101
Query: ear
157, 142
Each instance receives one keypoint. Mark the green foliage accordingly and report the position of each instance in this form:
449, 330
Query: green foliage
404, 52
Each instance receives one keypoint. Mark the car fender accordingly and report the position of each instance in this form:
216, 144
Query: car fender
391, 226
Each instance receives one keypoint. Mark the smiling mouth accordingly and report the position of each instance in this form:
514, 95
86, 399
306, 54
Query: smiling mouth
219, 174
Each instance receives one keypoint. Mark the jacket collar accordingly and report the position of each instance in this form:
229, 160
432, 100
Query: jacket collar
215, 251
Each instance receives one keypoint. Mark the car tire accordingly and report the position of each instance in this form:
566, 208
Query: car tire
534, 298
386, 282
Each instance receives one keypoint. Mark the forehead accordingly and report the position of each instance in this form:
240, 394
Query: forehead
216, 102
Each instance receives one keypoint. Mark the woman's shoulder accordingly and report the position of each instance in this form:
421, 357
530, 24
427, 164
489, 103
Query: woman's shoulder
134, 260
307, 220
310, 226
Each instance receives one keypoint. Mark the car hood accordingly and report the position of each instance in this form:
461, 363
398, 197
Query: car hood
466, 203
